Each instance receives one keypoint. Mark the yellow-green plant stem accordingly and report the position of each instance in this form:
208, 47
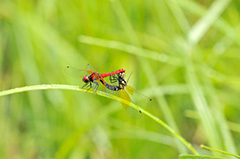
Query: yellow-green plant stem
77, 88
220, 151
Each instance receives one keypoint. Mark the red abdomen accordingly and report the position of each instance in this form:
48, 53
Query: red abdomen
112, 73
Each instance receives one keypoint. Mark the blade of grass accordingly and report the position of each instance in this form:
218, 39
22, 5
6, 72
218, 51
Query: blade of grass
194, 36
201, 27
144, 135
220, 151
126, 24
219, 114
167, 90
220, 24
77, 88
231, 125
201, 104
198, 157
62, 48
27, 61
139, 133
179, 15
135, 50
165, 21
72, 140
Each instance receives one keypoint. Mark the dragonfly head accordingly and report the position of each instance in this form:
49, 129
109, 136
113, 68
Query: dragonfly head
85, 79
122, 75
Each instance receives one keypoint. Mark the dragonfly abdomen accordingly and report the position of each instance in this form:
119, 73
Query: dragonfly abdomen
111, 87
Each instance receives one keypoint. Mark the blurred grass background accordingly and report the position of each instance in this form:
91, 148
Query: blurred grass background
184, 55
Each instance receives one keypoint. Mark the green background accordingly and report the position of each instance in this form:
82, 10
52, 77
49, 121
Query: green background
184, 54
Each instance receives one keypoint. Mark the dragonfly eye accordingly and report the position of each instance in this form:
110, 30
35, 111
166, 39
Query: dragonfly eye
122, 74
85, 79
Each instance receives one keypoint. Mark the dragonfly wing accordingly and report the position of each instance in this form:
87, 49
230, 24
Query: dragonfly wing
75, 72
130, 89
95, 86
124, 95
90, 68
138, 98
136, 113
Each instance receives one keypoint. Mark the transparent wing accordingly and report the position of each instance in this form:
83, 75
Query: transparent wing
75, 72
138, 98
136, 113
95, 86
90, 68
97, 75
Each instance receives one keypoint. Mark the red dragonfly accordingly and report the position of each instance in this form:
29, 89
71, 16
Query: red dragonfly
127, 93
93, 79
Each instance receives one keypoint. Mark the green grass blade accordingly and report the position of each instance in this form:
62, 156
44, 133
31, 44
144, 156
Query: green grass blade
195, 8
145, 65
220, 151
179, 15
77, 88
201, 27
197, 157
131, 49
201, 104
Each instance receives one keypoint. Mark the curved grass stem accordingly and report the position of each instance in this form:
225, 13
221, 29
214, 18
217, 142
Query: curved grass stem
77, 88
220, 151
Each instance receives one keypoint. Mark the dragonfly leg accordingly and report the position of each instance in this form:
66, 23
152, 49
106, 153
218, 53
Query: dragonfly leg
85, 85
90, 86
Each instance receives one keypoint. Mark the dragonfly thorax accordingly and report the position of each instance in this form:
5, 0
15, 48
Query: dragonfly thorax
122, 82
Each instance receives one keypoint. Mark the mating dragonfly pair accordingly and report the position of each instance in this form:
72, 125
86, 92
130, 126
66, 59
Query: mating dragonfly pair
119, 85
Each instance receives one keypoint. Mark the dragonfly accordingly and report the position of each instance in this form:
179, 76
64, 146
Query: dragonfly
127, 93
93, 78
